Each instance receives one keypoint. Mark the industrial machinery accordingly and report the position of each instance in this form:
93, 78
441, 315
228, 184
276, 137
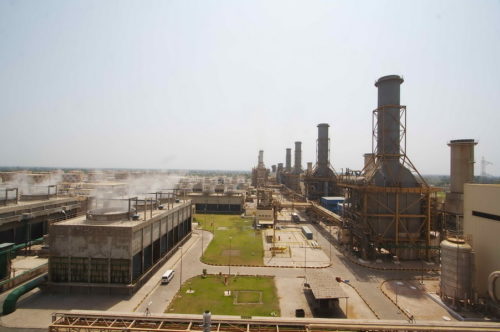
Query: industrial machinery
389, 205
321, 180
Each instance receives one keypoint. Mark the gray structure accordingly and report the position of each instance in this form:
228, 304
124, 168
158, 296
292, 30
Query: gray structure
461, 172
322, 180
116, 250
27, 219
390, 205
288, 160
297, 167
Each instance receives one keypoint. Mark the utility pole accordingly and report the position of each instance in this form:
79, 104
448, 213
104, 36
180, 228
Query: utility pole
229, 265
180, 276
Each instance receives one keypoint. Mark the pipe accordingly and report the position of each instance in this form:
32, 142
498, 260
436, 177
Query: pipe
492, 278
9, 305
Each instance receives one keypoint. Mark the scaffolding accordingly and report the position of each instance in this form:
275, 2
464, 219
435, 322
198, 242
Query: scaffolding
379, 217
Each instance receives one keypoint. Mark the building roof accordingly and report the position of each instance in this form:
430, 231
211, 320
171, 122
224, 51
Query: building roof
324, 286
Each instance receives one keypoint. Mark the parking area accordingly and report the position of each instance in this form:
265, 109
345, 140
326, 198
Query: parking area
288, 246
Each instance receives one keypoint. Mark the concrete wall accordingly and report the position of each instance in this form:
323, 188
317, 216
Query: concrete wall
481, 208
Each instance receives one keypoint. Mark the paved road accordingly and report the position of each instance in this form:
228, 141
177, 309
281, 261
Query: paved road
365, 280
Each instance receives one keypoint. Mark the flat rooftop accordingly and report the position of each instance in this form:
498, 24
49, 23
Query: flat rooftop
27, 204
123, 222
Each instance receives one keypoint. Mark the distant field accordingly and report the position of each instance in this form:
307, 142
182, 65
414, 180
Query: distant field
246, 243
250, 296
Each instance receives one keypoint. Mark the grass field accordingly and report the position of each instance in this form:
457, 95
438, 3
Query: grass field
245, 246
209, 295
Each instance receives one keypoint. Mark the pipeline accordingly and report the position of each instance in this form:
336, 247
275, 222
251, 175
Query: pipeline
492, 278
9, 305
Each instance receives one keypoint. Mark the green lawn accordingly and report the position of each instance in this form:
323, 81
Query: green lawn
209, 295
245, 243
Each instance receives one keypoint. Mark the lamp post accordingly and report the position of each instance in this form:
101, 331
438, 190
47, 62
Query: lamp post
305, 262
229, 265
180, 274
330, 241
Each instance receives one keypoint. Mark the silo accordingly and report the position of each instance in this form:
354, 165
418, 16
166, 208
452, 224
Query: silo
456, 270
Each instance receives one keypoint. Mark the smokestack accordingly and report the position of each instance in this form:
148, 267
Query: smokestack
261, 158
322, 146
309, 167
388, 134
273, 168
461, 164
297, 168
280, 167
288, 165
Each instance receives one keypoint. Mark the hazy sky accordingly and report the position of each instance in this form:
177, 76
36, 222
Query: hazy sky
206, 84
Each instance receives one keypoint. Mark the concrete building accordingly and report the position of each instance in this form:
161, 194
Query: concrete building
482, 231
116, 250
218, 202
26, 218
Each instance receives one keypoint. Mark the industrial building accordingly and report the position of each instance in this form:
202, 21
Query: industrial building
25, 217
321, 180
470, 272
225, 203
260, 173
389, 208
116, 247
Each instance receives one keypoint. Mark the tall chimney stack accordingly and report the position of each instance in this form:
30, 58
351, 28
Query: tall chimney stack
297, 168
461, 164
388, 134
323, 143
288, 164
261, 158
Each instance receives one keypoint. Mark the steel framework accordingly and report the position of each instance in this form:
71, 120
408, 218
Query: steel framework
85, 322
370, 203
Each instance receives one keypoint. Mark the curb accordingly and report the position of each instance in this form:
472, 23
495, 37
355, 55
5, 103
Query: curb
368, 305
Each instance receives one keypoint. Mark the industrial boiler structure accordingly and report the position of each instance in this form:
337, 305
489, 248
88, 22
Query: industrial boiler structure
260, 173
389, 205
321, 180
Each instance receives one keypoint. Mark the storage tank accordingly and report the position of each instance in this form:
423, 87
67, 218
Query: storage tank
456, 270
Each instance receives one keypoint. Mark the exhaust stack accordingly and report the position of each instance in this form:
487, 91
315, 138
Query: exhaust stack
288, 164
322, 168
390, 172
461, 164
297, 168
261, 159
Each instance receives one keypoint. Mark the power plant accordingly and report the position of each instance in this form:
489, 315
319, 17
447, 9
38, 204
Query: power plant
380, 244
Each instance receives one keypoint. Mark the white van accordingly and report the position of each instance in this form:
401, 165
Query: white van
167, 276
